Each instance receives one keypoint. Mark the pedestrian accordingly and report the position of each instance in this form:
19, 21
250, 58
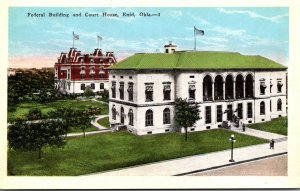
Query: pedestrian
244, 127
272, 142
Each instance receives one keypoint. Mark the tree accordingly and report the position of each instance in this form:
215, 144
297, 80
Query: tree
186, 113
88, 92
25, 136
34, 114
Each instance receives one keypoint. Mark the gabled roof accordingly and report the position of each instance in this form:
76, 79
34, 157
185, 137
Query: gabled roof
196, 60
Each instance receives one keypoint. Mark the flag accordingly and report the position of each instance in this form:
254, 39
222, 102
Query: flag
99, 37
198, 32
75, 36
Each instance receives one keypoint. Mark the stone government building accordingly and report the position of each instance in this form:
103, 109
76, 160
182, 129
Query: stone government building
143, 89
75, 71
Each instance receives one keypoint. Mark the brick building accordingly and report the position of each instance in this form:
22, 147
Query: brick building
75, 71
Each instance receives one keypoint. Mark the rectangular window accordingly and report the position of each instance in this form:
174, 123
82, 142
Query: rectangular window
130, 91
101, 86
279, 86
82, 86
207, 114
249, 110
82, 76
121, 89
240, 110
219, 113
101, 76
92, 76
192, 89
262, 88
92, 86
113, 89
167, 92
192, 76
229, 112
149, 92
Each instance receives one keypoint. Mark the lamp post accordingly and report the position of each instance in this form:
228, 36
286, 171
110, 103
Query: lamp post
232, 140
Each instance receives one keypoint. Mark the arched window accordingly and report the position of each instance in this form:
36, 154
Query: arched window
229, 87
114, 112
130, 116
122, 115
239, 87
207, 88
166, 116
262, 108
149, 118
279, 105
218, 88
249, 86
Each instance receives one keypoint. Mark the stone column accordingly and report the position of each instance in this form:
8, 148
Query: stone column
233, 89
244, 85
223, 90
213, 91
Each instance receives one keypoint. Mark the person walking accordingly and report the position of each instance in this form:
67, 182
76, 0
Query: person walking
244, 127
272, 142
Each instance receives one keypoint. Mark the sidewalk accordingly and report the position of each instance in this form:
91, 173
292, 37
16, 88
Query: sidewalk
258, 133
100, 128
95, 124
201, 162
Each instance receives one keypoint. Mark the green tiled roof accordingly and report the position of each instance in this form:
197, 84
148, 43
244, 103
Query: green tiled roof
196, 60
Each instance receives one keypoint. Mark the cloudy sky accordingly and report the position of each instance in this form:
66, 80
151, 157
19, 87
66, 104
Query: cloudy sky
38, 41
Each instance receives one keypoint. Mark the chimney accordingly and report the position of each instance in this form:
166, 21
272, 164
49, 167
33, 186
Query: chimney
170, 48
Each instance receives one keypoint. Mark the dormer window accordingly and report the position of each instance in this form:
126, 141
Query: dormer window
92, 61
81, 60
101, 61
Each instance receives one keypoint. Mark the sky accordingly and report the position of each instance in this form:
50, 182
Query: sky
38, 41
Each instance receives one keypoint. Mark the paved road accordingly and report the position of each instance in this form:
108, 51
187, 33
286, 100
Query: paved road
274, 166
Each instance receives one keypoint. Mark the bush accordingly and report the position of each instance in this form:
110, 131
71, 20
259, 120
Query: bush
88, 92
34, 114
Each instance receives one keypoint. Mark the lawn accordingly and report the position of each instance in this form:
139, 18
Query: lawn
78, 130
23, 108
108, 151
104, 122
278, 125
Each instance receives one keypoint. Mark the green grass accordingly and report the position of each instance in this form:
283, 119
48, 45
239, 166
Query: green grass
104, 122
116, 150
78, 130
278, 125
23, 108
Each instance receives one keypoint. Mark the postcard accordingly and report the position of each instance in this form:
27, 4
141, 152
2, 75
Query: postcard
149, 95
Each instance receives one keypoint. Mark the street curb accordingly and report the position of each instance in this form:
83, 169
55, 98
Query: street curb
231, 164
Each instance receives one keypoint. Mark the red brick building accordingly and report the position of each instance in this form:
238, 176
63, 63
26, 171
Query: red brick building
75, 71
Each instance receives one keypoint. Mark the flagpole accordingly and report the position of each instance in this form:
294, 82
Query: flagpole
98, 42
73, 39
194, 39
